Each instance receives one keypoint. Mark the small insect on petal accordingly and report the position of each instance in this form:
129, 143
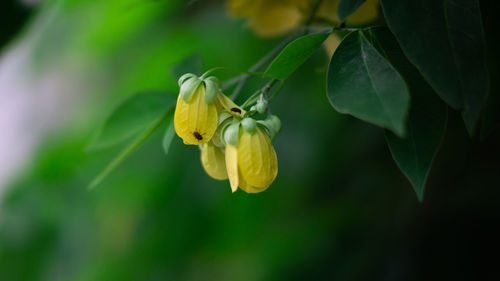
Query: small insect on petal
235, 109
197, 136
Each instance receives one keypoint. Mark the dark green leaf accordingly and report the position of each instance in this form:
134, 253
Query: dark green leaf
191, 64
491, 114
294, 55
361, 82
347, 8
132, 116
444, 39
415, 153
169, 135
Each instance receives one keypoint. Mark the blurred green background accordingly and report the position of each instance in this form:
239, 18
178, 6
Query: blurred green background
339, 209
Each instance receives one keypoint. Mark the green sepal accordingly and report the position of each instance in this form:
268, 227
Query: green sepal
212, 85
249, 125
185, 77
231, 134
223, 116
224, 121
188, 88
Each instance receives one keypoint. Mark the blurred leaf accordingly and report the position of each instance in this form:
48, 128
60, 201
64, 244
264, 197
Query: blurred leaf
169, 135
190, 64
491, 115
444, 39
415, 153
347, 8
131, 148
361, 82
294, 55
132, 116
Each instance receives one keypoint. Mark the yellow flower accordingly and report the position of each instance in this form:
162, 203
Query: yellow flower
212, 159
269, 18
195, 118
251, 161
198, 106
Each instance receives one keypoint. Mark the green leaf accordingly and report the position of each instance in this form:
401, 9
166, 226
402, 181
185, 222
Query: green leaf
130, 148
361, 82
294, 55
444, 39
132, 116
169, 135
491, 115
347, 8
190, 64
415, 153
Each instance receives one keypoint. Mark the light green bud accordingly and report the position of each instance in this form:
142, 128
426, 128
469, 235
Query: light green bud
261, 105
274, 122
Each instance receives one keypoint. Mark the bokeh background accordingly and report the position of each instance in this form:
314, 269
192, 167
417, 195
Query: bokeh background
339, 209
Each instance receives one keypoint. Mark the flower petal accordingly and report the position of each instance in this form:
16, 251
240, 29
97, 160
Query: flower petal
257, 159
230, 106
232, 166
213, 161
195, 121
248, 188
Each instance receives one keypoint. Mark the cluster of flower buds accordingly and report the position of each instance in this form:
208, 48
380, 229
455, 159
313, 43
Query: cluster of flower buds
233, 145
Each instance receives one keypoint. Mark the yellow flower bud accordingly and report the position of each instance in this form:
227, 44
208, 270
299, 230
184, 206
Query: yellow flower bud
252, 164
213, 161
195, 121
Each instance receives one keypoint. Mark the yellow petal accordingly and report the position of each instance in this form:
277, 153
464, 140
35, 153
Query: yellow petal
248, 188
195, 122
213, 161
230, 106
257, 161
232, 166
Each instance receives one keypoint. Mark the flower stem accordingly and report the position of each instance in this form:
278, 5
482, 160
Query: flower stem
258, 65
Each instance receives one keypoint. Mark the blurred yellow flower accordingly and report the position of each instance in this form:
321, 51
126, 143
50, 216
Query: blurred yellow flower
269, 18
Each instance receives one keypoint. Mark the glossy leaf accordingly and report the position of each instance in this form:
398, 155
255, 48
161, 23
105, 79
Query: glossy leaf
294, 55
347, 8
444, 39
361, 82
132, 116
415, 153
169, 134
